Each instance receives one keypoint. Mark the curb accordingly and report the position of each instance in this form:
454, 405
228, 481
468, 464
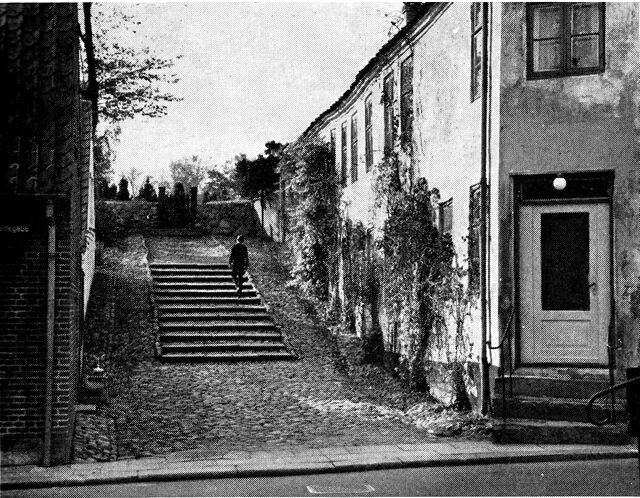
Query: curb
246, 469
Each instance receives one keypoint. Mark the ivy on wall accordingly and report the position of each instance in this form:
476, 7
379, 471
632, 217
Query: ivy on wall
411, 271
315, 222
423, 284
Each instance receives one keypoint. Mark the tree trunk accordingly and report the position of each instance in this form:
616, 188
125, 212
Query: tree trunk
262, 209
92, 89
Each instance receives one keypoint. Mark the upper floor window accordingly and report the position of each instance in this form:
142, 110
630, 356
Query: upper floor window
368, 134
476, 49
389, 125
565, 39
354, 148
332, 150
406, 100
445, 218
343, 158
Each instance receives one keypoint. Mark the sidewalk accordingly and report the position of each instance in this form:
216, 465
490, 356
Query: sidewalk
185, 465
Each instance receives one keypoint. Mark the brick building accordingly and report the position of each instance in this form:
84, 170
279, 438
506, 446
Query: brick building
556, 131
46, 228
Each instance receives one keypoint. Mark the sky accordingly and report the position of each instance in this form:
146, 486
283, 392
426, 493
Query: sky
249, 73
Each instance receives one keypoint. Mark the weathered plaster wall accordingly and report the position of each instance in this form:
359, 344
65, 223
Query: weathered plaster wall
447, 138
446, 141
573, 124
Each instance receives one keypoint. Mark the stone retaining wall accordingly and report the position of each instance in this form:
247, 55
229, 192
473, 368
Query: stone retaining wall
229, 218
138, 215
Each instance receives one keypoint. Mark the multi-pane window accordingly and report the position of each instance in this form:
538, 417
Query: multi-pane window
474, 238
446, 216
354, 148
565, 39
387, 96
406, 100
343, 158
368, 133
332, 151
476, 49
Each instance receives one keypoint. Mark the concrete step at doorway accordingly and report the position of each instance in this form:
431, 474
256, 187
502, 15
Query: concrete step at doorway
529, 431
531, 385
550, 408
561, 409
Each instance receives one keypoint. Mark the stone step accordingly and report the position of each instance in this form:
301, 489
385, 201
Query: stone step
202, 293
172, 300
567, 409
203, 315
197, 346
552, 387
188, 266
219, 335
189, 309
199, 285
167, 273
527, 431
217, 325
176, 279
228, 356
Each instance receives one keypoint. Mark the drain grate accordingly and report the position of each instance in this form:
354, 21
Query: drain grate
328, 489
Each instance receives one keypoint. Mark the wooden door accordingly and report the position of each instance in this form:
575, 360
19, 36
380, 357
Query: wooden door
564, 282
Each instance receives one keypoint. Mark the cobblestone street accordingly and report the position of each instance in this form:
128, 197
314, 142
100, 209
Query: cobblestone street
216, 407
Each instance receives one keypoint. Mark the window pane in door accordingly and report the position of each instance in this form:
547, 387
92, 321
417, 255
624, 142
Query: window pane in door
564, 258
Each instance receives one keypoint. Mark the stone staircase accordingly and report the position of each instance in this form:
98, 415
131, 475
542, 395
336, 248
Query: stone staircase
548, 407
201, 317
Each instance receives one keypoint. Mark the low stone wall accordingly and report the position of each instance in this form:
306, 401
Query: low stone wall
138, 215
229, 218
217, 217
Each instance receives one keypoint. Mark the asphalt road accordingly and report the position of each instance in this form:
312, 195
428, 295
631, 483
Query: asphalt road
604, 477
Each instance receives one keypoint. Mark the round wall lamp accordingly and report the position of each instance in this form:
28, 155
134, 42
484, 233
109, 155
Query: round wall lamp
559, 182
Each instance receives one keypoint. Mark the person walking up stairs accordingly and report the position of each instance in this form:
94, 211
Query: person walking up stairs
239, 262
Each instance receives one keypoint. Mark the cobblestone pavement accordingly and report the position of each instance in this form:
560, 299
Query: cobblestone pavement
214, 408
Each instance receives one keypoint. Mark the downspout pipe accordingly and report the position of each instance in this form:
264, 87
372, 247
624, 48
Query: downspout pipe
484, 366
51, 309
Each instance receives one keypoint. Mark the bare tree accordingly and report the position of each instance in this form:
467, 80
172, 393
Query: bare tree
132, 175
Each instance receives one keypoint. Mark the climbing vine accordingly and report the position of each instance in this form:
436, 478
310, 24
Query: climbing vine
315, 219
418, 264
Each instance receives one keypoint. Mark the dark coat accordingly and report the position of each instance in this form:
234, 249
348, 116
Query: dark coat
239, 257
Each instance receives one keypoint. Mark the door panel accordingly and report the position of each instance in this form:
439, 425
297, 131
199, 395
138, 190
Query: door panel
564, 278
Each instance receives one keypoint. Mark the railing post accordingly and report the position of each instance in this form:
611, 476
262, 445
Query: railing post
162, 207
194, 204
633, 400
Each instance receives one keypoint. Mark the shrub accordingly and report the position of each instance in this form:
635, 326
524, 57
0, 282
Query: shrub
110, 227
